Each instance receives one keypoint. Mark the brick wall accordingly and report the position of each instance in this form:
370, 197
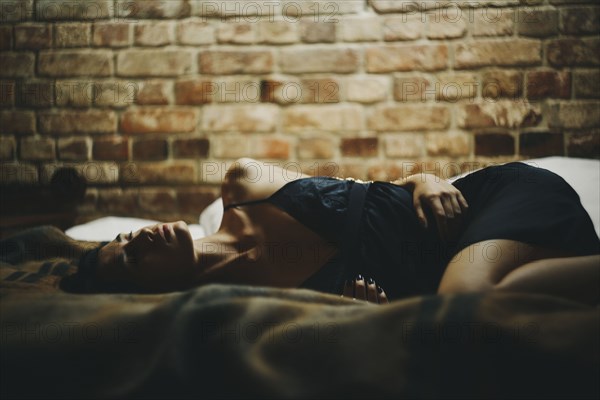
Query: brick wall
152, 100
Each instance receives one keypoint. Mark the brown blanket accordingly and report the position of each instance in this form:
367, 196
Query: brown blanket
240, 341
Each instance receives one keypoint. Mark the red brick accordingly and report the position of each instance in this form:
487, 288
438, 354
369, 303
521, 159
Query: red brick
16, 65
448, 144
328, 117
406, 58
111, 34
69, 10
72, 35
7, 148
111, 148
451, 87
115, 93
360, 147
70, 63
153, 33
159, 120
281, 90
501, 113
447, 28
385, 171
404, 27
542, 22
177, 172
230, 146
587, 84
368, 89
194, 91
513, 52
537, 144
144, 63
585, 144
37, 149
234, 89
554, 84
195, 199
240, 118
153, 9
7, 93
195, 32
315, 147
574, 52
278, 32
309, 60
77, 122
74, 93
153, 93
408, 117
494, 144
235, 62
492, 21
154, 199
98, 173
574, 114
33, 36
6, 37
150, 149
18, 173
324, 10
35, 94
190, 148
270, 147
115, 201
232, 32
17, 122
361, 29
403, 145
580, 20
317, 32
502, 83
324, 90
74, 149
414, 88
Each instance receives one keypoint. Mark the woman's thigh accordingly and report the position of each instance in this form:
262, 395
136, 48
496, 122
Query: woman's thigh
482, 265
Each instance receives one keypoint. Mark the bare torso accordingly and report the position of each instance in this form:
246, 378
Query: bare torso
281, 251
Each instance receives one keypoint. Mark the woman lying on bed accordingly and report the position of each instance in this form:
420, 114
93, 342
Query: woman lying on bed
512, 227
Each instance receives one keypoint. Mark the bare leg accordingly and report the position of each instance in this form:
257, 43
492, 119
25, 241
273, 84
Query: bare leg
576, 278
500, 264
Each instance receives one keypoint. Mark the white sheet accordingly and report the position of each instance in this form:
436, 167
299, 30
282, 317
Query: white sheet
582, 174
107, 228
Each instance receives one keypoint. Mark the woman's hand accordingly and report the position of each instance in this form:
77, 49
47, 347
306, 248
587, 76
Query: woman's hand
445, 201
361, 289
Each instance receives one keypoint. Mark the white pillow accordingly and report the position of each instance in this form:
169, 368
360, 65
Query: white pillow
107, 228
211, 216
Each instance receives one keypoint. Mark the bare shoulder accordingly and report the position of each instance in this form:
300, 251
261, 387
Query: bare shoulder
248, 179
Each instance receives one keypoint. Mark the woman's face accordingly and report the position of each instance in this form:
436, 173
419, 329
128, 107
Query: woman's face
157, 258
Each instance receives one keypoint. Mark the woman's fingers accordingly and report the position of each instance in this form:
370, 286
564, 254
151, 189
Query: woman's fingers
348, 289
381, 296
360, 288
420, 213
364, 289
463, 202
456, 206
371, 291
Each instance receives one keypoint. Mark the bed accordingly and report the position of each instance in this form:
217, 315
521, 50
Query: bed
232, 341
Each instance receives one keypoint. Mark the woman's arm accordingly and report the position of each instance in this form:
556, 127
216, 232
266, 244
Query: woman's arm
445, 201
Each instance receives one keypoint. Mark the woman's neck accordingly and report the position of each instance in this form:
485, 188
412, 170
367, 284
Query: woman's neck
217, 251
